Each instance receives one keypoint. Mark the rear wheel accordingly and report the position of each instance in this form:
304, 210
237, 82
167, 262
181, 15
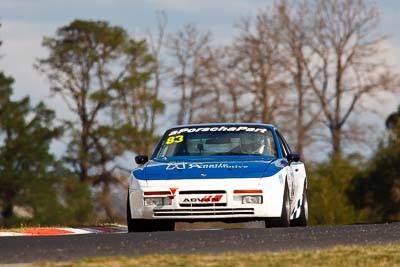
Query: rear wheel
303, 218
284, 220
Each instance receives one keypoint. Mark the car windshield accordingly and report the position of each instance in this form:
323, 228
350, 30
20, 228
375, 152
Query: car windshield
205, 141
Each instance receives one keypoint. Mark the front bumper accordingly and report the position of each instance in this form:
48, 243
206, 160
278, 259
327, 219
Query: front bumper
230, 207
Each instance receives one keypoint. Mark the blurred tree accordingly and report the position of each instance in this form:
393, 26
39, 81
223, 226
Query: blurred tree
344, 66
74, 196
208, 79
160, 70
295, 27
393, 126
97, 69
138, 105
32, 183
191, 52
221, 101
376, 190
328, 184
28, 172
258, 57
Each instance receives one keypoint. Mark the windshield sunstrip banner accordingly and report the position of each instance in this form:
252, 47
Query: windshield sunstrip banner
218, 129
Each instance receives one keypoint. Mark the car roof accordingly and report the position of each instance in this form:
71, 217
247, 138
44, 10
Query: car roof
269, 126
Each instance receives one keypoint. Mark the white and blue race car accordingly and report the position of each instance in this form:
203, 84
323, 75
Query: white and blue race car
218, 172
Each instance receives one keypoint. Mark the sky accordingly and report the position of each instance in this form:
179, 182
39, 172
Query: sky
26, 22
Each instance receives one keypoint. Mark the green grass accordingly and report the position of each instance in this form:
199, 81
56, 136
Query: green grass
342, 256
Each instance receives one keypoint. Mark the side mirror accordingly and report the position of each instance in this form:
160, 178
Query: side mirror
293, 157
141, 159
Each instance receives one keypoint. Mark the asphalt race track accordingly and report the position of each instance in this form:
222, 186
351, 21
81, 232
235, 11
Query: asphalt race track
29, 249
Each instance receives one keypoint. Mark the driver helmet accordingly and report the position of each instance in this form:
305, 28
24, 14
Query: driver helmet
253, 144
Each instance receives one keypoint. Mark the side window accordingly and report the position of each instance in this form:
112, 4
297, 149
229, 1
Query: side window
281, 143
285, 147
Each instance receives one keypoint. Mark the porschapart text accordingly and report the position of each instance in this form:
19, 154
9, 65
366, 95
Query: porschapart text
218, 129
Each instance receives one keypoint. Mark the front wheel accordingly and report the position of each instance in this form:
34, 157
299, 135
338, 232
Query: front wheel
303, 218
134, 225
284, 220
143, 225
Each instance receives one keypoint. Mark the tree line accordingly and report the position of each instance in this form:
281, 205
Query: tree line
308, 74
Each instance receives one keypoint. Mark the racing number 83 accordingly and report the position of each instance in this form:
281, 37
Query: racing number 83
174, 139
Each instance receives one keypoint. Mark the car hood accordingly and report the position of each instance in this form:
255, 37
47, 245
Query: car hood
208, 169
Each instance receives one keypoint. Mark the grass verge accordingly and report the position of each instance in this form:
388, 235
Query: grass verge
385, 255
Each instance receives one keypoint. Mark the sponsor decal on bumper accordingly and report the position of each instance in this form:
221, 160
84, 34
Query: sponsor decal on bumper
208, 198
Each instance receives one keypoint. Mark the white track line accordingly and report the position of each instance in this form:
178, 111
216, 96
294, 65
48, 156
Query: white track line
11, 234
77, 231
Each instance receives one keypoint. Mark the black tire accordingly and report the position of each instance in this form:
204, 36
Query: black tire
134, 225
303, 218
284, 220
143, 225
